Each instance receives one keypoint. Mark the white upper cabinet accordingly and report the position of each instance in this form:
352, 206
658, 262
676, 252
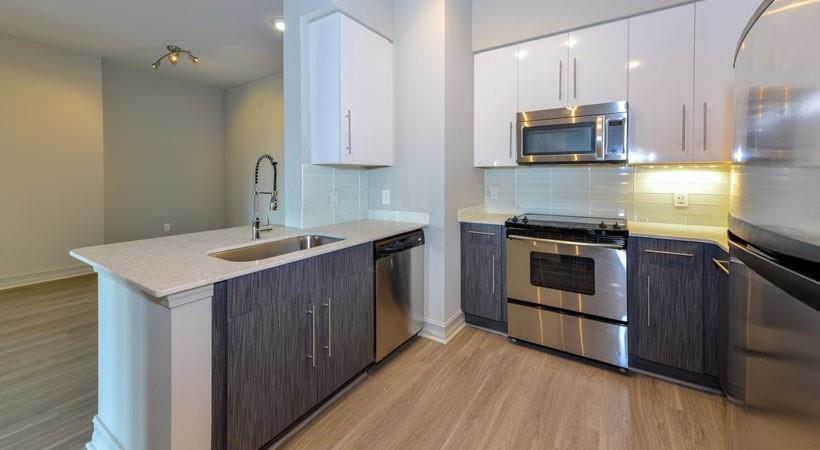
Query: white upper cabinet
661, 55
542, 74
496, 106
598, 63
351, 93
719, 24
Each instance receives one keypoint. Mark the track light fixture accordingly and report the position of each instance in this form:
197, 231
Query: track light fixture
173, 55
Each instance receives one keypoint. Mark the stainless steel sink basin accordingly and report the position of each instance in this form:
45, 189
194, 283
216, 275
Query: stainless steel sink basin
275, 248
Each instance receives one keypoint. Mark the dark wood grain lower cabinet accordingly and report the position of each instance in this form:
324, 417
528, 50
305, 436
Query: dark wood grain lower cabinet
271, 380
346, 336
483, 277
715, 295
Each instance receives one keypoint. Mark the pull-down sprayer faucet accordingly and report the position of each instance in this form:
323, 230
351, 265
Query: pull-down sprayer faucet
274, 201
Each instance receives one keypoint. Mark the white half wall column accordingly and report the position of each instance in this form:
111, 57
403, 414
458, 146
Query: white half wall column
154, 368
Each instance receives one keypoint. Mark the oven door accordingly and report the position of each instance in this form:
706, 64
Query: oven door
572, 139
587, 278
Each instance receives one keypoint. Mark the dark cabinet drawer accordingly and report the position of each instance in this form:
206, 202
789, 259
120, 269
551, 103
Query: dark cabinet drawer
483, 275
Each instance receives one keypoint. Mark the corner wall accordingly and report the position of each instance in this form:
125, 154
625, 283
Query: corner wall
51, 160
253, 126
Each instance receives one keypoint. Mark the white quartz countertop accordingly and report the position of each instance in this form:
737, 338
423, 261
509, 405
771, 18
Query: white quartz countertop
172, 264
698, 233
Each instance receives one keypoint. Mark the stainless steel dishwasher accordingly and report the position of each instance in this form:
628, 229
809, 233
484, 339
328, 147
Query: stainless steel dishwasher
399, 290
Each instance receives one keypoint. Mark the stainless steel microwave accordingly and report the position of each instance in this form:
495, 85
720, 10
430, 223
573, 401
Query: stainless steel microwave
581, 134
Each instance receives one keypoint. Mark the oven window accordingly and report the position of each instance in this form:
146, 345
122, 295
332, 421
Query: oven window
563, 272
570, 138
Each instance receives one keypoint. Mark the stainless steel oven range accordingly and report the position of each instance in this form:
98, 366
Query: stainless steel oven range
566, 284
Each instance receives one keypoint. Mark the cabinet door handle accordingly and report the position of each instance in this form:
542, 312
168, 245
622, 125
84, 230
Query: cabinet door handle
328, 347
659, 252
560, 79
493, 270
648, 302
483, 233
683, 128
722, 265
349, 133
511, 139
312, 356
705, 125
574, 78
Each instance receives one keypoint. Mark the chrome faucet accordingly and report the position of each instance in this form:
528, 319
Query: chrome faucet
274, 201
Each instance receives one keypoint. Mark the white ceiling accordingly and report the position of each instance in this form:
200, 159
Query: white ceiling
234, 39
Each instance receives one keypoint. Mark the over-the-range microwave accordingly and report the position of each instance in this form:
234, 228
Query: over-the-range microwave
580, 134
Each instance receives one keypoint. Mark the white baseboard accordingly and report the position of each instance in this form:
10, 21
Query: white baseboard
42, 277
101, 438
443, 332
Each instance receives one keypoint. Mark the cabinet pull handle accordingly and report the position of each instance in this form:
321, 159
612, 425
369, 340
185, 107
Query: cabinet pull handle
659, 252
312, 355
683, 128
483, 233
722, 265
560, 79
493, 270
511, 139
705, 125
648, 302
349, 136
329, 328
574, 78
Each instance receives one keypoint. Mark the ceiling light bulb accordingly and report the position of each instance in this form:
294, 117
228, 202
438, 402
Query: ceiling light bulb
194, 59
155, 66
279, 24
174, 58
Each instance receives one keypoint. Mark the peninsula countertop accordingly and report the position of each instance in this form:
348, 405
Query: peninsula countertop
172, 264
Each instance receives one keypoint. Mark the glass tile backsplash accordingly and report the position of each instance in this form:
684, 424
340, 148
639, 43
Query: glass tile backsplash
333, 195
638, 193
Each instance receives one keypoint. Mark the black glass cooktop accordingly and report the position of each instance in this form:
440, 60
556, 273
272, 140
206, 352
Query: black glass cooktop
575, 228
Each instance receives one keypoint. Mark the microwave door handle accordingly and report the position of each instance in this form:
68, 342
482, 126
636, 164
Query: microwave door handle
600, 138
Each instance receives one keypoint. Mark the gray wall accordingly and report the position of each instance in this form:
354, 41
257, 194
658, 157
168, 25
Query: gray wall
51, 157
253, 125
497, 23
463, 184
164, 154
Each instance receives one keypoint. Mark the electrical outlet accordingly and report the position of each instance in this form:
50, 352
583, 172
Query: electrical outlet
494, 193
385, 196
334, 199
166, 228
681, 199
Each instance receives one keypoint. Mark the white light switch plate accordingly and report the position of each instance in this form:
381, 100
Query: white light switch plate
493, 192
385, 197
334, 199
166, 228
681, 199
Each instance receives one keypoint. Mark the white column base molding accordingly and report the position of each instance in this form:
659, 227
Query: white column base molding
101, 438
443, 332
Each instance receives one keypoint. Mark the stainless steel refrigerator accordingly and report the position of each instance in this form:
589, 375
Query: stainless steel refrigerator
771, 322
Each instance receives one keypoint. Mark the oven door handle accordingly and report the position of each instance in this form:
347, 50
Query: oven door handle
555, 241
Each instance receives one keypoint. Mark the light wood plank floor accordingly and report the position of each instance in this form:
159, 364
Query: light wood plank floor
482, 391
48, 364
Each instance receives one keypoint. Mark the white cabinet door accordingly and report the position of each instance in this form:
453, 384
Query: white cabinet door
542, 73
598, 63
661, 53
719, 24
366, 96
496, 106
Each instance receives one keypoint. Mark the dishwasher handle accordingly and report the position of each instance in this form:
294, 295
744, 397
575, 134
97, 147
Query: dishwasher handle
400, 243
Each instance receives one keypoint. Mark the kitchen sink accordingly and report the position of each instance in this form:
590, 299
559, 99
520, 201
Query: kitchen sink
275, 248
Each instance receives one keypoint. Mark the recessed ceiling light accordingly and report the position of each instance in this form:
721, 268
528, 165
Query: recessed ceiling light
279, 24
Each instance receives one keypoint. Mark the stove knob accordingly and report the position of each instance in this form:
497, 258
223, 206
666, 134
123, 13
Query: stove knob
514, 219
615, 226
602, 225
525, 219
